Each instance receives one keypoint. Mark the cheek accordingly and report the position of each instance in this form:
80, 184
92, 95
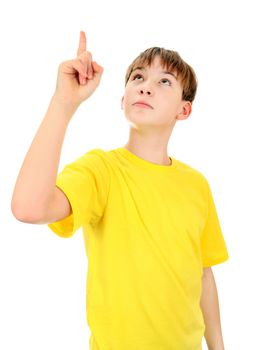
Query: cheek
125, 103
126, 99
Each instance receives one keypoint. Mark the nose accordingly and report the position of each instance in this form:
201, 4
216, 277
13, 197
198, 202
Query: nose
145, 88
145, 91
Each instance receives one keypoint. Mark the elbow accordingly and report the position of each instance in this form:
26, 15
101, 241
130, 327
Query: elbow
23, 213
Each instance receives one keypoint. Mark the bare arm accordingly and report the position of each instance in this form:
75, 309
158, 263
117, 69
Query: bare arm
37, 177
210, 308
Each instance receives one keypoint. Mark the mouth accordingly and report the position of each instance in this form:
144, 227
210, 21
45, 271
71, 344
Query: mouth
141, 104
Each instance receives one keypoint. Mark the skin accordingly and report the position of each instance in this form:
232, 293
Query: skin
209, 304
151, 128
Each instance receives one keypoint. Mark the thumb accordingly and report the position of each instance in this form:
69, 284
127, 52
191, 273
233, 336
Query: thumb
97, 68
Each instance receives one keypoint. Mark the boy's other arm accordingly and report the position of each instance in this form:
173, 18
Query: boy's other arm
210, 308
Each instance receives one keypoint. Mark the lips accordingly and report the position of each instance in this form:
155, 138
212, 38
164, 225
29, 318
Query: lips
142, 104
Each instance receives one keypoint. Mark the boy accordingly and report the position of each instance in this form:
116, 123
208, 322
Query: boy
149, 222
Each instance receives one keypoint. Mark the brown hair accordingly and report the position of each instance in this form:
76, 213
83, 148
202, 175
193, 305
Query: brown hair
172, 61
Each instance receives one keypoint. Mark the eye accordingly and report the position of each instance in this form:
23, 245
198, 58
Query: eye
166, 80
136, 75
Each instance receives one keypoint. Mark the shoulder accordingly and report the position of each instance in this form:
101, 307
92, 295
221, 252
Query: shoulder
95, 156
190, 170
96, 152
93, 160
192, 175
98, 159
107, 157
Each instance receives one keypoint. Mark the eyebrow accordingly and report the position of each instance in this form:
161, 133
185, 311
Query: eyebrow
164, 72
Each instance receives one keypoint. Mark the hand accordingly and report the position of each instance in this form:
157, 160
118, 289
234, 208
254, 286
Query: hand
78, 78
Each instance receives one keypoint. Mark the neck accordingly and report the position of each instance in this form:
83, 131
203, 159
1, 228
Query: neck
152, 148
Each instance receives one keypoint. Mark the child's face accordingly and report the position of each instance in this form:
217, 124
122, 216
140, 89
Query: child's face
161, 90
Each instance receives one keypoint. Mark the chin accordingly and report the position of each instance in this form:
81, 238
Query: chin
136, 118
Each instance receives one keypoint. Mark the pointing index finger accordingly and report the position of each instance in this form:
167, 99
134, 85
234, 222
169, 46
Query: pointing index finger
82, 43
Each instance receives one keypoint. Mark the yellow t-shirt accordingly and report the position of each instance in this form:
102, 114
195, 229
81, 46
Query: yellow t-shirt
149, 230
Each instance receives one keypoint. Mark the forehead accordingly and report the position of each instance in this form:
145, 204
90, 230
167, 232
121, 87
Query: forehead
156, 62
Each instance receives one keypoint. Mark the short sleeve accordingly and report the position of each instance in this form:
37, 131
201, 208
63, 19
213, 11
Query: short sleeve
213, 246
85, 182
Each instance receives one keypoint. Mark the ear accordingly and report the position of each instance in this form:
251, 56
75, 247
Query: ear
122, 100
185, 111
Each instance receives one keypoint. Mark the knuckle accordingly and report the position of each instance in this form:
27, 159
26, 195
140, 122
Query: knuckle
85, 55
81, 61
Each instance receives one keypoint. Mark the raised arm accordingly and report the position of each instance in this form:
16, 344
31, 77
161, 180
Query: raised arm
35, 197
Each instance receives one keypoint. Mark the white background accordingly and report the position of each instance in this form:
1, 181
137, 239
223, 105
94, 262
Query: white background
42, 281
